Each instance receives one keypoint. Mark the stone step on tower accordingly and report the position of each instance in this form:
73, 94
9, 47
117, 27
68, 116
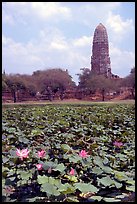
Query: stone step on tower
100, 60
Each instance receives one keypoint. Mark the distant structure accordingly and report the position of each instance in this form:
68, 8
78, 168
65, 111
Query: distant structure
100, 60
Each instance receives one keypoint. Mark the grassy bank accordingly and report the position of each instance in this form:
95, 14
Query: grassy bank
69, 102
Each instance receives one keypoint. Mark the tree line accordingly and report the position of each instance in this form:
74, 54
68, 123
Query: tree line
55, 80
93, 82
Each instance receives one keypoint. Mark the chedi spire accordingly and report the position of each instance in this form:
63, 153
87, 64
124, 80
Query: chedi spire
100, 60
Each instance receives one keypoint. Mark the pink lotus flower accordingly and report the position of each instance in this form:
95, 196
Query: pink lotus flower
117, 144
83, 154
72, 172
9, 189
22, 153
41, 153
39, 166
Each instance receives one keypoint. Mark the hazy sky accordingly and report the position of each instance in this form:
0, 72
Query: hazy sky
41, 35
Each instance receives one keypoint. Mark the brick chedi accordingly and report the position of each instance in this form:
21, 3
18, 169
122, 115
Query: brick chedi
100, 60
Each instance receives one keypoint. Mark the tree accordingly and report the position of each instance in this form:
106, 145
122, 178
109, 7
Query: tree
129, 81
100, 83
14, 83
47, 81
93, 82
52, 80
4, 84
31, 85
84, 77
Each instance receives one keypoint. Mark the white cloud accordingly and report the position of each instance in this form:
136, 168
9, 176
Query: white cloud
93, 13
54, 51
57, 51
18, 57
83, 41
36, 10
63, 46
58, 45
7, 18
50, 9
118, 25
18, 3
109, 5
5, 40
121, 61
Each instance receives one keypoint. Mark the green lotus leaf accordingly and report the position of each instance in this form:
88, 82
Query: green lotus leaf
72, 199
122, 157
65, 147
24, 140
93, 145
131, 181
12, 153
66, 188
67, 130
59, 167
11, 136
71, 178
5, 159
123, 195
48, 164
5, 168
130, 188
50, 189
25, 175
98, 198
34, 199
111, 200
3, 182
11, 130
105, 161
11, 172
121, 176
97, 170
42, 179
86, 187
107, 169
98, 161
36, 132
106, 181
54, 181
117, 184
74, 158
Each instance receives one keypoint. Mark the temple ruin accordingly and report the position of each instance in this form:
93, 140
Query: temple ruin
100, 60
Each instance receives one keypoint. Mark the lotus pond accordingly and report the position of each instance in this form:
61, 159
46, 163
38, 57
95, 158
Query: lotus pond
68, 153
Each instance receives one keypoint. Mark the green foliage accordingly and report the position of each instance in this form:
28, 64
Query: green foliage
71, 178
93, 82
129, 81
111, 200
106, 181
130, 188
56, 79
50, 80
98, 198
72, 199
121, 176
97, 170
50, 189
60, 167
86, 187
63, 131
65, 147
